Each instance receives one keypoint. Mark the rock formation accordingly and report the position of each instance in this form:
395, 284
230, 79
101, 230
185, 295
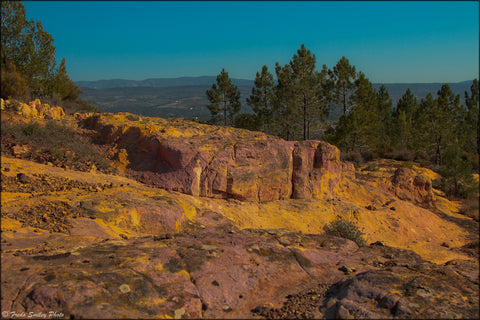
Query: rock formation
417, 188
34, 109
234, 164
236, 230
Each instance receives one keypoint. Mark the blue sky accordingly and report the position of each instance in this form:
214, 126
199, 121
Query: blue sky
391, 41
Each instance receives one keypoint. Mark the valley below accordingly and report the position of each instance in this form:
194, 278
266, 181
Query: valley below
197, 221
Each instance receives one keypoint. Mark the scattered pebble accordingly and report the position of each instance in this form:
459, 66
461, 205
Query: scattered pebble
124, 288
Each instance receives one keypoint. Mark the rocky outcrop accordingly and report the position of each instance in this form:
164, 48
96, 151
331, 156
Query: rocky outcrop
316, 169
411, 186
218, 162
35, 109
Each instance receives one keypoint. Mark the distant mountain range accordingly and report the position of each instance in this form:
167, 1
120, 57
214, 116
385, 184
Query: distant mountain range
185, 97
160, 83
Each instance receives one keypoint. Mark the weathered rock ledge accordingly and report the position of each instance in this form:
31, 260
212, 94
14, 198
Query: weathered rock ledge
220, 162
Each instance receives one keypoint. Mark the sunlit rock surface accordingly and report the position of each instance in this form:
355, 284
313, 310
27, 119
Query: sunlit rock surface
234, 231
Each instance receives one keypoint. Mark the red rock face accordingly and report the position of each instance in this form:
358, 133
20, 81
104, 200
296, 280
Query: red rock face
412, 187
316, 169
237, 163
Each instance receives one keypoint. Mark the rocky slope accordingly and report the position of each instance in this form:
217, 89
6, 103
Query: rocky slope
208, 222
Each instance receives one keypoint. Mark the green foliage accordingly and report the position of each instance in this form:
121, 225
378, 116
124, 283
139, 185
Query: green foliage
403, 120
31, 129
470, 123
261, 100
29, 48
247, 121
407, 164
13, 85
224, 96
56, 153
457, 180
345, 229
285, 108
470, 206
343, 77
63, 86
300, 93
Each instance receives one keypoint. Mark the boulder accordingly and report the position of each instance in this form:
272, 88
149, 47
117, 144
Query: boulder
19, 150
411, 186
37, 105
54, 112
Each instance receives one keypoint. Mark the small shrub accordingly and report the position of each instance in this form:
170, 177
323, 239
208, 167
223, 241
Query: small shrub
371, 167
56, 153
368, 155
404, 155
345, 229
470, 207
354, 157
132, 117
85, 106
31, 129
407, 164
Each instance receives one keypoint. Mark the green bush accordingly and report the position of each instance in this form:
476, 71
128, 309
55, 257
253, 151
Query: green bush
353, 156
85, 106
31, 129
407, 164
470, 207
56, 153
345, 229
404, 155
12, 83
371, 167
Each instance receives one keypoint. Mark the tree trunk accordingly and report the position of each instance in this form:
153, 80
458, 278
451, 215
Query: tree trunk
304, 118
438, 156
225, 112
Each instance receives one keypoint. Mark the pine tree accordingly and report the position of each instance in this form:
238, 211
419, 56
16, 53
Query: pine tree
286, 113
261, 99
449, 114
63, 85
384, 111
403, 118
13, 24
357, 130
471, 125
224, 96
303, 84
28, 46
343, 77
439, 123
